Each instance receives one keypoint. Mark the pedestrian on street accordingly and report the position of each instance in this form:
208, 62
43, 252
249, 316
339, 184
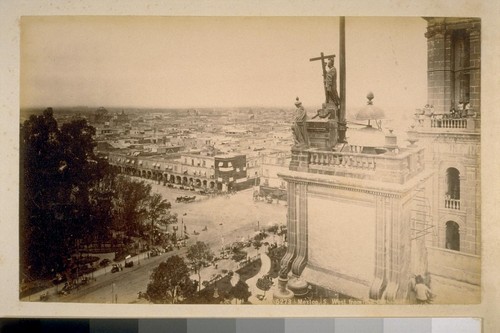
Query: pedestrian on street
423, 293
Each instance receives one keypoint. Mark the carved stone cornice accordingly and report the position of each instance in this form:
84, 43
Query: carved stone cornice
388, 190
473, 31
438, 30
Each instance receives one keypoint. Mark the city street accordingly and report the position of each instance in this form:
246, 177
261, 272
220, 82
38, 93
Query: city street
226, 218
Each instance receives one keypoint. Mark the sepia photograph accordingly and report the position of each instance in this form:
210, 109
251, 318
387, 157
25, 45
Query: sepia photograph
250, 160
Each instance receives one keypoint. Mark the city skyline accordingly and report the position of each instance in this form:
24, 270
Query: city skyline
183, 62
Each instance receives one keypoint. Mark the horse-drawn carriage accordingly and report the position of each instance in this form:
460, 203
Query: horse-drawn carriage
186, 198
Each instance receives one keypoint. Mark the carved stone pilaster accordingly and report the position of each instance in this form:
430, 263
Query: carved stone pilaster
379, 280
394, 257
291, 227
391, 257
301, 251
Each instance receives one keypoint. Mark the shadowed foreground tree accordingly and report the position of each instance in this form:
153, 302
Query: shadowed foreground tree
170, 282
240, 291
58, 169
157, 210
131, 205
199, 254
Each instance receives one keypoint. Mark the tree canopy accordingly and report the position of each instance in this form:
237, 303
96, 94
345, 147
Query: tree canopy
199, 254
58, 169
170, 282
131, 205
70, 197
241, 291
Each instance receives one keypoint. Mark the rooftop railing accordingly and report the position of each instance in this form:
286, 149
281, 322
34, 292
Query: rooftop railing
388, 166
447, 122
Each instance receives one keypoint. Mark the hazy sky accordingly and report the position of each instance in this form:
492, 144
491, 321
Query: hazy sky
217, 61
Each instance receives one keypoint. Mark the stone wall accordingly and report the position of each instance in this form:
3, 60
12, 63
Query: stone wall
455, 265
441, 60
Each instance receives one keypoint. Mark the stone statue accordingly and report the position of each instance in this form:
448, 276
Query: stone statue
299, 125
331, 84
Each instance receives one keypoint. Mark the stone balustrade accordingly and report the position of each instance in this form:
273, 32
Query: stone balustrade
452, 203
440, 122
346, 160
449, 123
387, 167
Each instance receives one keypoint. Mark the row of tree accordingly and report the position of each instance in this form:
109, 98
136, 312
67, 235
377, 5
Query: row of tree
70, 197
170, 282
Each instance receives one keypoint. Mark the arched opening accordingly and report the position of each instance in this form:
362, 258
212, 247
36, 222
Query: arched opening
452, 199
452, 236
184, 180
178, 180
198, 183
204, 183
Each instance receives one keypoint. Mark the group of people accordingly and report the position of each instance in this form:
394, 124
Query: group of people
461, 110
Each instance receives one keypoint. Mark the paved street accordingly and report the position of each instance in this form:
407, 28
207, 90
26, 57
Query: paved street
227, 219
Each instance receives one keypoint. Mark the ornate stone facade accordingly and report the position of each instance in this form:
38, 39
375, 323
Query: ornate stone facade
365, 224
348, 230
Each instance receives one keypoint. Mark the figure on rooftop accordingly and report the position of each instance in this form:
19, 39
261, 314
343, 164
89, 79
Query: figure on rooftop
298, 127
331, 84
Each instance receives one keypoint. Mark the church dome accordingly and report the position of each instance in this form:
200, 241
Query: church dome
368, 137
369, 111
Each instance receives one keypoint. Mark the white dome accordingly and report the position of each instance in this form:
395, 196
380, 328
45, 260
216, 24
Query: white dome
366, 137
